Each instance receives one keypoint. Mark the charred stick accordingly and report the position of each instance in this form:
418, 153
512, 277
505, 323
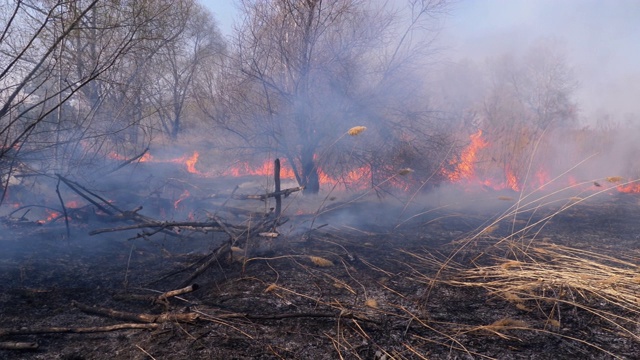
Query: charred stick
93, 329
144, 318
182, 291
276, 180
15, 345
224, 228
285, 192
212, 226
127, 162
64, 209
72, 186
296, 315
213, 257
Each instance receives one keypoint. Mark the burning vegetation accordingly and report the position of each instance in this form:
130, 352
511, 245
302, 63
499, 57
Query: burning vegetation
303, 188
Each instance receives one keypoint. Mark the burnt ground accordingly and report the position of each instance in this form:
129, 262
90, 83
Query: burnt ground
367, 293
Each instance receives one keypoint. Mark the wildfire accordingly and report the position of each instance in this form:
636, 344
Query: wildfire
184, 195
629, 188
512, 180
465, 166
191, 163
265, 169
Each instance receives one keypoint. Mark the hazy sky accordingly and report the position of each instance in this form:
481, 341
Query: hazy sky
602, 38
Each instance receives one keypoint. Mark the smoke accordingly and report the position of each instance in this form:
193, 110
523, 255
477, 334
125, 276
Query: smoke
600, 39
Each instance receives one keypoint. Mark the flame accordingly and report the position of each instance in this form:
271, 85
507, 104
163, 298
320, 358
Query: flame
512, 180
265, 169
629, 188
146, 157
115, 156
465, 166
73, 204
191, 163
183, 196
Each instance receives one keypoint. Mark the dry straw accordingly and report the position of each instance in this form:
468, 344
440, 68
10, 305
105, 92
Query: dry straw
556, 274
356, 130
321, 262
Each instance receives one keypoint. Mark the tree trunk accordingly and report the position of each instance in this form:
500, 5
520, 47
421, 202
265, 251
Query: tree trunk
310, 177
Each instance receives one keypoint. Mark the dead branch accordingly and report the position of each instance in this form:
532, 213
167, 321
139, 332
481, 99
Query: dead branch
158, 299
127, 162
182, 291
204, 226
15, 345
214, 257
285, 193
343, 315
93, 329
144, 318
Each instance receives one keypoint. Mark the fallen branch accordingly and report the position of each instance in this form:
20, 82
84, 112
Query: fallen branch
285, 193
215, 256
93, 329
144, 318
343, 315
158, 299
16, 345
205, 226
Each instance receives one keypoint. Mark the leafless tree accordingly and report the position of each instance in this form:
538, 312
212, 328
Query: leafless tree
304, 72
73, 77
529, 99
177, 66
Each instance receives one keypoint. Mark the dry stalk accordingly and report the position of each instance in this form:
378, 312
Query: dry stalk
555, 274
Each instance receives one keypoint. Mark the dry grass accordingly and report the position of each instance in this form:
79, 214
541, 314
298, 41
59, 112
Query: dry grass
356, 130
321, 262
546, 276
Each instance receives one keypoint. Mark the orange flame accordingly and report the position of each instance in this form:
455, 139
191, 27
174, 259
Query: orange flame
464, 167
191, 163
512, 180
184, 195
629, 188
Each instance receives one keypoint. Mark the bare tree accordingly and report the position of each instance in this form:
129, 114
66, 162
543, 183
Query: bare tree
72, 77
529, 97
304, 72
177, 65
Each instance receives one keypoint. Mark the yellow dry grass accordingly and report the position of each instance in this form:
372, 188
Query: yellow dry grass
372, 303
356, 130
556, 274
321, 262
614, 179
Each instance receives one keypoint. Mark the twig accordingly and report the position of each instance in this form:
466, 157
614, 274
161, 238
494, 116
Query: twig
211, 226
64, 209
49, 330
285, 192
16, 345
213, 257
127, 162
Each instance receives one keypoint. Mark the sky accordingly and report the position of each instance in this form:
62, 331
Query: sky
602, 39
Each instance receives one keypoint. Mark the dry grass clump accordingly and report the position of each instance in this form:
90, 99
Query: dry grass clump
321, 262
555, 275
356, 130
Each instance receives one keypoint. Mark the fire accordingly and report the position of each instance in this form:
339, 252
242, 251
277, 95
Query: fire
191, 163
629, 188
265, 169
465, 166
73, 204
353, 178
512, 180
146, 157
184, 195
